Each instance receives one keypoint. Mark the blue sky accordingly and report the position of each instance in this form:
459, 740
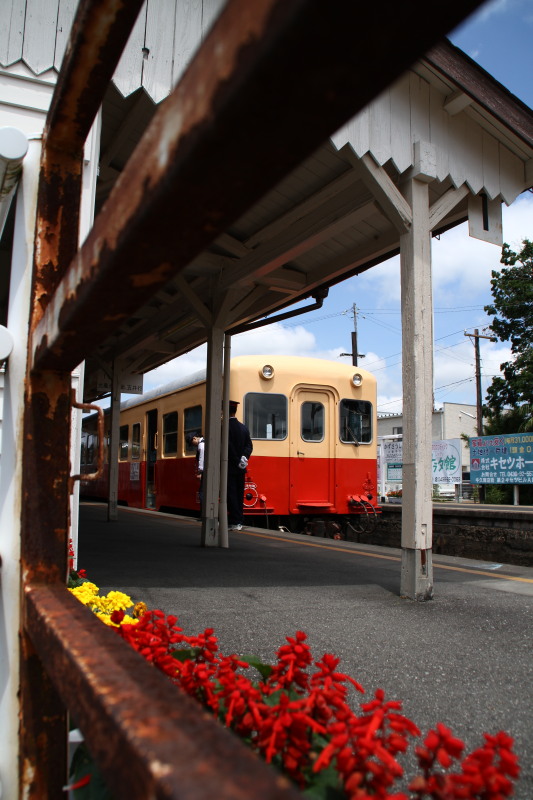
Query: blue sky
499, 37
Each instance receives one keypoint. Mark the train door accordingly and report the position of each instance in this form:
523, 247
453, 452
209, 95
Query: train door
312, 449
151, 457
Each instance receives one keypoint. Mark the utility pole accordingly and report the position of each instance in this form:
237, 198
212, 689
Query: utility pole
476, 336
354, 354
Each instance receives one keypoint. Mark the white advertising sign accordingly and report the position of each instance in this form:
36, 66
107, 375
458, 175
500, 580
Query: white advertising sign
446, 461
446, 465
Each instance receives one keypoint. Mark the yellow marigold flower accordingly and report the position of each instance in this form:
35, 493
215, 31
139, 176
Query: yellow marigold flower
86, 593
117, 601
139, 609
105, 618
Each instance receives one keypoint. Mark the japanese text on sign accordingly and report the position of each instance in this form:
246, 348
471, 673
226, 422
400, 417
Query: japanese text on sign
446, 465
507, 458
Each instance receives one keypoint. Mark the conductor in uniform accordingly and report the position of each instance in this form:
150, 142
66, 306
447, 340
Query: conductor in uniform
239, 451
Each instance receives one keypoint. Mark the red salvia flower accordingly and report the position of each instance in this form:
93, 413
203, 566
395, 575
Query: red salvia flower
301, 720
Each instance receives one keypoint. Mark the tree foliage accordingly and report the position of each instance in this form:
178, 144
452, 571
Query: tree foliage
512, 309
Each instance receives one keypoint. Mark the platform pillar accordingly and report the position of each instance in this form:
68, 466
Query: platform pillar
212, 435
417, 373
114, 443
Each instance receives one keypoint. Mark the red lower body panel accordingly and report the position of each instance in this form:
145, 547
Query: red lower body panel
281, 486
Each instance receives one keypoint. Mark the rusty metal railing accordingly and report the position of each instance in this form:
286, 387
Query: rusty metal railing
150, 739
90, 476
270, 83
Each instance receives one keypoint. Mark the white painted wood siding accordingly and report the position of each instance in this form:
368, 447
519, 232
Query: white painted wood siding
165, 37
167, 34
466, 152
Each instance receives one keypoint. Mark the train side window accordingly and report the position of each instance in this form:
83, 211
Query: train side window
192, 423
83, 451
355, 421
90, 449
312, 422
123, 443
170, 434
265, 415
136, 440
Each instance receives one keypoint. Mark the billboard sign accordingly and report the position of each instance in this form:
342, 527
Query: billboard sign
506, 458
446, 465
446, 461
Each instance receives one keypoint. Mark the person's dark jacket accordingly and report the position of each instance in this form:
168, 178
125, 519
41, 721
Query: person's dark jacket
239, 443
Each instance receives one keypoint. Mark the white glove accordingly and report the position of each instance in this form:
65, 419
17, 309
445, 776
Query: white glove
243, 463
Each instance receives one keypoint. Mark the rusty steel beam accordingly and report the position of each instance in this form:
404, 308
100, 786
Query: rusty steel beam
44, 552
99, 33
150, 739
98, 36
270, 83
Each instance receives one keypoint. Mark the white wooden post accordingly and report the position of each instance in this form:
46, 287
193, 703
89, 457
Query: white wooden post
210, 529
223, 507
417, 359
11, 474
114, 439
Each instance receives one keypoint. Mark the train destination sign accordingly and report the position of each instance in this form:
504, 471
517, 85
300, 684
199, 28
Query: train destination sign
506, 458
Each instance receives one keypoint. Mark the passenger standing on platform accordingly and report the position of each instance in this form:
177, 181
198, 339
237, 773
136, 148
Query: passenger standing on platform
196, 440
239, 451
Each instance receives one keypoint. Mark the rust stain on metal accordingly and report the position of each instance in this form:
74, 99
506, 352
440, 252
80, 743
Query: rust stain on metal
91, 476
159, 275
98, 35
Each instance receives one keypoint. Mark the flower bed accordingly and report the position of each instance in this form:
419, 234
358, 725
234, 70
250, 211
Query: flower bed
298, 715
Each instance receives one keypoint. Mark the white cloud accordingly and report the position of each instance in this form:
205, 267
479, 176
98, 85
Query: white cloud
275, 339
382, 280
270, 340
461, 265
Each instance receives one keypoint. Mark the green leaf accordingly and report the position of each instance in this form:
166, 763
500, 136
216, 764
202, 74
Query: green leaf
265, 670
74, 580
325, 785
185, 655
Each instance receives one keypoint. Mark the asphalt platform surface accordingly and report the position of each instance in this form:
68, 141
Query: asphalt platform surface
464, 658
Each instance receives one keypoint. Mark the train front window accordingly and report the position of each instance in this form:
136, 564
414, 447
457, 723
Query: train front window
265, 415
136, 440
170, 434
312, 422
355, 421
123, 443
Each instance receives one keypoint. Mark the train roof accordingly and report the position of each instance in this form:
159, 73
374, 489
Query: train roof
282, 364
167, 388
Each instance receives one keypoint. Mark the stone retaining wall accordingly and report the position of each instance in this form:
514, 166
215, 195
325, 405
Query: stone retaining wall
485, 540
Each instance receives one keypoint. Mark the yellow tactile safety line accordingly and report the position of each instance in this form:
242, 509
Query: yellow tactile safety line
361, 552
388, 558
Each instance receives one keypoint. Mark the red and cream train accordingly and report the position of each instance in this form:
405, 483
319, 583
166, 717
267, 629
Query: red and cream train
314, 432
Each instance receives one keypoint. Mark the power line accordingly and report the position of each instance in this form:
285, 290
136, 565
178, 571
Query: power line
438, 389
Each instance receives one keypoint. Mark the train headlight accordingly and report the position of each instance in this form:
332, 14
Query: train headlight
267, 372
357, 379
